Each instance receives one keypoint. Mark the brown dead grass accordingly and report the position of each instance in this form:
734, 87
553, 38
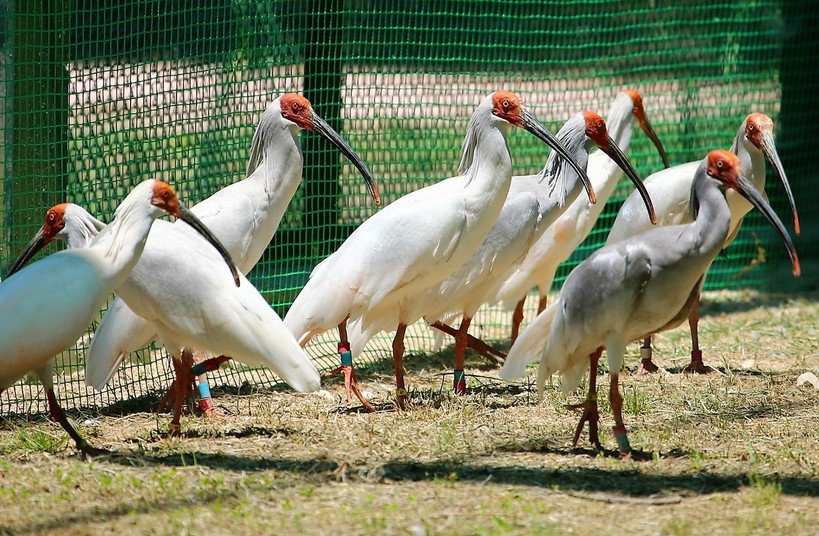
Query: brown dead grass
731, 453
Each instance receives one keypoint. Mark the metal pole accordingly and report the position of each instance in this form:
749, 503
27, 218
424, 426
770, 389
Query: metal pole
39, 113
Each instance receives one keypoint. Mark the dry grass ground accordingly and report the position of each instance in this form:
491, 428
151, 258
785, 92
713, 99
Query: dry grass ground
734, 452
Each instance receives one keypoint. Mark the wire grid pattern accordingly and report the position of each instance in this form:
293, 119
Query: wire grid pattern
101, 95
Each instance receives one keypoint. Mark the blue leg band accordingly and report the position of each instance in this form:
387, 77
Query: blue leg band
347, 358
622, 442
204, 390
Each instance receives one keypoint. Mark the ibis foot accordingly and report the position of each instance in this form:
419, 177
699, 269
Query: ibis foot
647, 366
590, 415
208, 409
351, 386
168, 400
88, 451
494, 356
402, 398
696, 366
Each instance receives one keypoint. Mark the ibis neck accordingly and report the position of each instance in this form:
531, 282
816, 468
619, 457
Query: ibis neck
274, 175
604, 172
561, 185
281, 168
81, 230
490, 168
753, 161
123, 240
620, 122
710, 228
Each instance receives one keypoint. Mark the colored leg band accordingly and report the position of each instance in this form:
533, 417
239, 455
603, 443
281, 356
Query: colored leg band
400, 392
174, 428
206, 404
645, 353
204, 390
622, 439
347, 358
198, 369
459, 383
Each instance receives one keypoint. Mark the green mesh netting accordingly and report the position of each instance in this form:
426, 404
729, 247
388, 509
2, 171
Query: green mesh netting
99, 95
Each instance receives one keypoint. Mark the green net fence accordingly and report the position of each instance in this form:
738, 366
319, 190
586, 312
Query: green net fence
99, 95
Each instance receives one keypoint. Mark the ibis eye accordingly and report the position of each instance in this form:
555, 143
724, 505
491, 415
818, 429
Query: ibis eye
720, 163
505, 103
599, 124
750, 126
50, 216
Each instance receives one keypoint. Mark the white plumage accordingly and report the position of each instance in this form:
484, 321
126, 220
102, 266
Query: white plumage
633, 288
378, 276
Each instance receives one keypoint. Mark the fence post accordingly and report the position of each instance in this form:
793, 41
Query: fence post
322, 87
39, 108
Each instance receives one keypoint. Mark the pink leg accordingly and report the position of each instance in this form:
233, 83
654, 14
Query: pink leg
492, 355
169, 399
183, 385
619, 429
398, 364
541, 304
347, 370
696, 365
459, 381
58, 415
517, 318
589, 406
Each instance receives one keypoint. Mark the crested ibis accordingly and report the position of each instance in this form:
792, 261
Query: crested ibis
244, 215
48, 305
671, 187
533, 205
560, 240
629, 289
377, 278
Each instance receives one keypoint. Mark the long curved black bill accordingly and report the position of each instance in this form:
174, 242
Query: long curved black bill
747, 190
769, 148
652, 135
188, 217
620, 159
35, 244
532, 125
326, 131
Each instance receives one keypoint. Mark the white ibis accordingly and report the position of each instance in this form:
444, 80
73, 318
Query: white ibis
670, 188
534, 203
633, 288
70, 223
377, 278
244, 215
561, 239
48, 305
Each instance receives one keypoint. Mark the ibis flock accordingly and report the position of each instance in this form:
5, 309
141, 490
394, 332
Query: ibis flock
438, 254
